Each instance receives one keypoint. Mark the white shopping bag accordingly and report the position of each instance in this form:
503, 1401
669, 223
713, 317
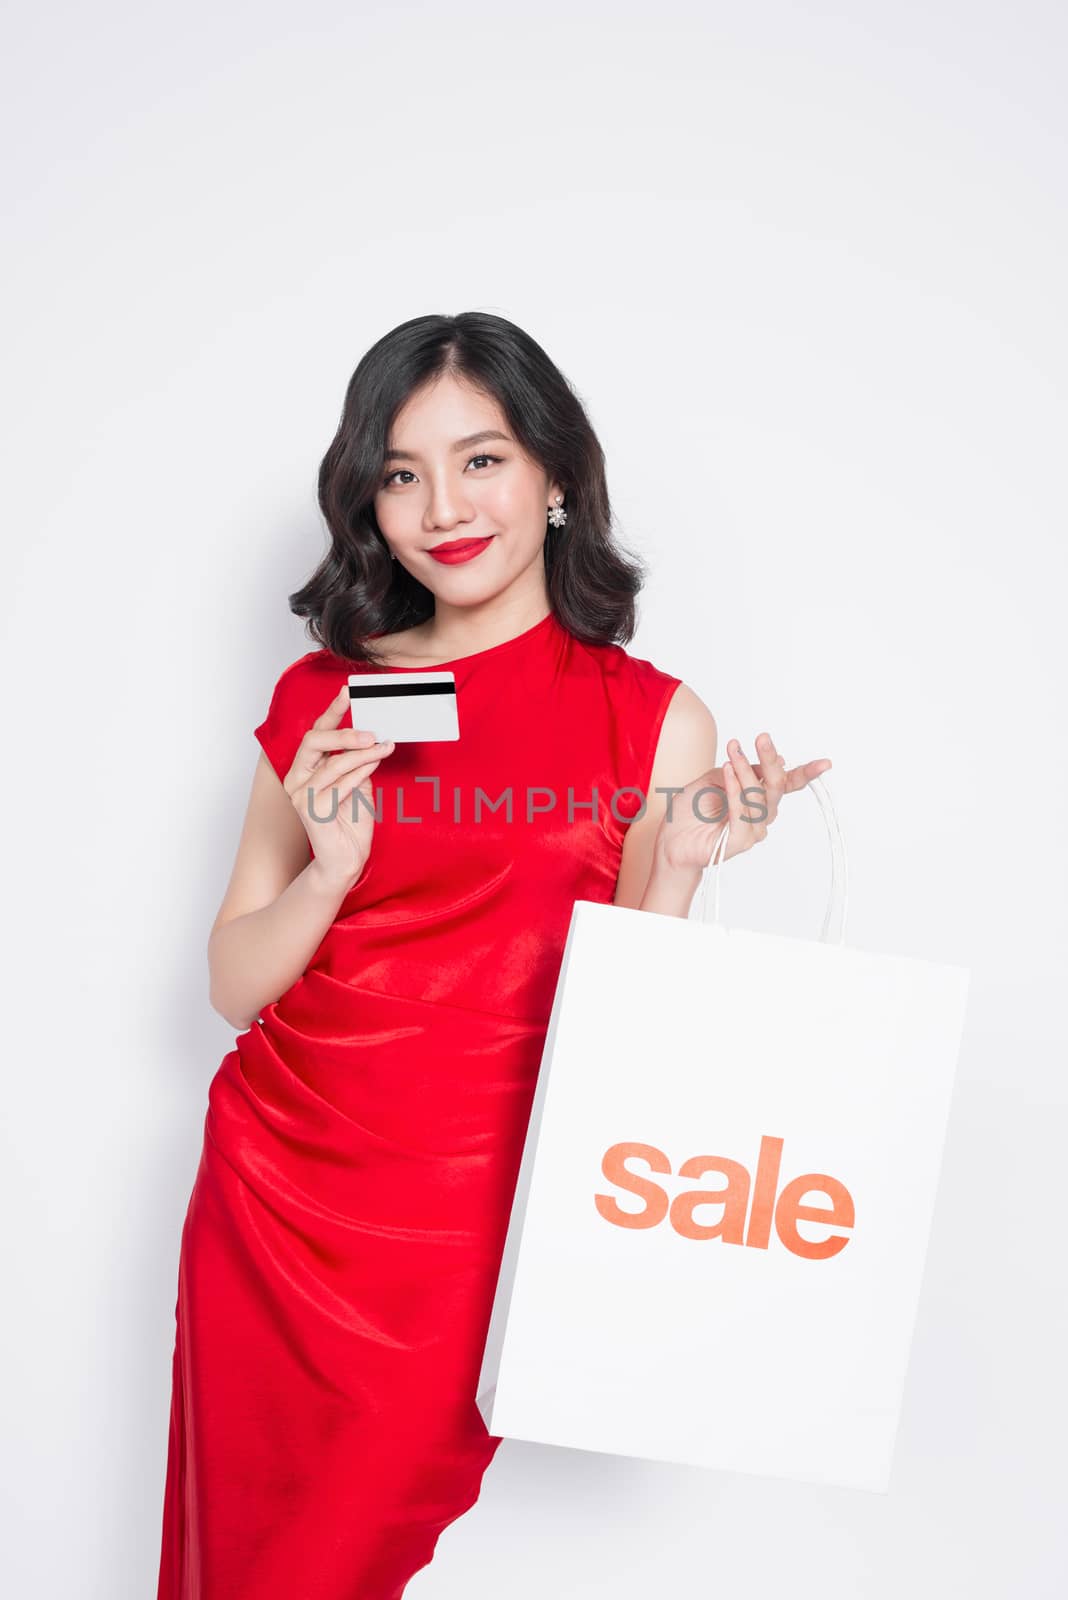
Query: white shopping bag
722, 1213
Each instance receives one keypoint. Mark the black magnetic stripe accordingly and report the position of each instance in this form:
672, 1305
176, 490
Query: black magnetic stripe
384, 691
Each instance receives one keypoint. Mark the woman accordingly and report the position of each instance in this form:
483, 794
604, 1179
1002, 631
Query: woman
390, 967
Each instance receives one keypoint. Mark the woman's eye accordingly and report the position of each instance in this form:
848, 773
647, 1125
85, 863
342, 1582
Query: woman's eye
404, 470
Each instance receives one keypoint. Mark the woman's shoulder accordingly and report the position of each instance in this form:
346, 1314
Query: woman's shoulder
318, 674
635, 693
632, 675
682, 724
302, 692
309, 673
309, 665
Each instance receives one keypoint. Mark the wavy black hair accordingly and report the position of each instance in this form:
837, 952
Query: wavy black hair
358, 591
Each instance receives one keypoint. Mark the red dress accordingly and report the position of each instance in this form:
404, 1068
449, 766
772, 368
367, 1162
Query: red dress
362, 1141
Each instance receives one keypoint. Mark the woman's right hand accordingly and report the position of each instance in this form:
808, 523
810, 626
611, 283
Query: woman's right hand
342, 844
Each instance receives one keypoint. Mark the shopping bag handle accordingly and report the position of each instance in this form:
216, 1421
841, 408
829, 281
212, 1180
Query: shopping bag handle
839, 867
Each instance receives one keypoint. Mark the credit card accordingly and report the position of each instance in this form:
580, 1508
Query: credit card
407, 707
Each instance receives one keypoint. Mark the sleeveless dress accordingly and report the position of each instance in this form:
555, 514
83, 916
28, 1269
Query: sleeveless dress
362, 1142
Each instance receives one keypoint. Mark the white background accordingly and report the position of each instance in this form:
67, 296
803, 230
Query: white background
805, 265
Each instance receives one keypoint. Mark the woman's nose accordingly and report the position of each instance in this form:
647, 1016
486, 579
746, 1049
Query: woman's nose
447, 505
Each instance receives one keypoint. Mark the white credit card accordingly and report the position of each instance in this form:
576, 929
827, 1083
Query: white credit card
407, 707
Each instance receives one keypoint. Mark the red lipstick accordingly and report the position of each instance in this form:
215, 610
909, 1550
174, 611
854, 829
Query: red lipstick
457, 550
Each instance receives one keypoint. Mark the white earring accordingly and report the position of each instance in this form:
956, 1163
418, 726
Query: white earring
557, 516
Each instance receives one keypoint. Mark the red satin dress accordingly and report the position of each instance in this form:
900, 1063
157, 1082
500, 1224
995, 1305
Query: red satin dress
362, 1142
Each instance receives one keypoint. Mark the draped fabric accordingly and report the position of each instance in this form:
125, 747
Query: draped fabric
340, 1251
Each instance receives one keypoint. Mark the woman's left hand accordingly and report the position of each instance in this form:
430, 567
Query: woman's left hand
687, 840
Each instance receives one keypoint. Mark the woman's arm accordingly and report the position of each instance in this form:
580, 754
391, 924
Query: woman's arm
687, 745
277, 907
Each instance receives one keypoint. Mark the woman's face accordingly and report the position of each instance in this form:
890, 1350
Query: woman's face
441, 485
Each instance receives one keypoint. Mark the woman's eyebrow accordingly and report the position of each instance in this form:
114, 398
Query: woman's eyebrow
461, 444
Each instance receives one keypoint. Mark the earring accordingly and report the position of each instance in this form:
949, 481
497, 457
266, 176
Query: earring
557, 516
